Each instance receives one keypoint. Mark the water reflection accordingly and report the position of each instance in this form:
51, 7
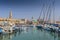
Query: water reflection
1, 37
58, 36
9, 36
38, 34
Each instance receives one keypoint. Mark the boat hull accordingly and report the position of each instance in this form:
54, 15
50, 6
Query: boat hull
1, 30
39, 27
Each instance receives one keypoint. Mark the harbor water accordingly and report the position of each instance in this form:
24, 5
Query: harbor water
31, 34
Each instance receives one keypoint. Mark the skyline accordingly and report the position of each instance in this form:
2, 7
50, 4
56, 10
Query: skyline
25, 8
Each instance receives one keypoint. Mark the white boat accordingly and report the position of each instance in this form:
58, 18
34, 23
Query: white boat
23, 27
50, 27
47, 27
8, 27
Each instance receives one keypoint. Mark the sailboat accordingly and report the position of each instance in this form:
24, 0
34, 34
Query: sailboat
48, 25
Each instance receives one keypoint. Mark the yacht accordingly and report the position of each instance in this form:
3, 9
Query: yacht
8, 27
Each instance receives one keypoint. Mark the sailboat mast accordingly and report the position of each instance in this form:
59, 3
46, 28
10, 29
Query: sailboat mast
53, 11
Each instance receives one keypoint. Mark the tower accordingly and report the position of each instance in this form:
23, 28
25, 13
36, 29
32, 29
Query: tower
10, 15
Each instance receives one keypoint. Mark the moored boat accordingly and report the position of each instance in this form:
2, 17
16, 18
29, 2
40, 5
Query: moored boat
39, 26
51, 27
8, 27
47, 27
1, 30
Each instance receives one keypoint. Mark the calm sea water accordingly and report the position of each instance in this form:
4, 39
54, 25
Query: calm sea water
31, 34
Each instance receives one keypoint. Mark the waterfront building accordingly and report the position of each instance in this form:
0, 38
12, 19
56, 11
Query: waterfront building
10, 19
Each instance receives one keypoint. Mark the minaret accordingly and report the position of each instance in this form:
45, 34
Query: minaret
10, 15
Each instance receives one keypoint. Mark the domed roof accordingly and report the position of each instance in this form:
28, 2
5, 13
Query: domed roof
34, 20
